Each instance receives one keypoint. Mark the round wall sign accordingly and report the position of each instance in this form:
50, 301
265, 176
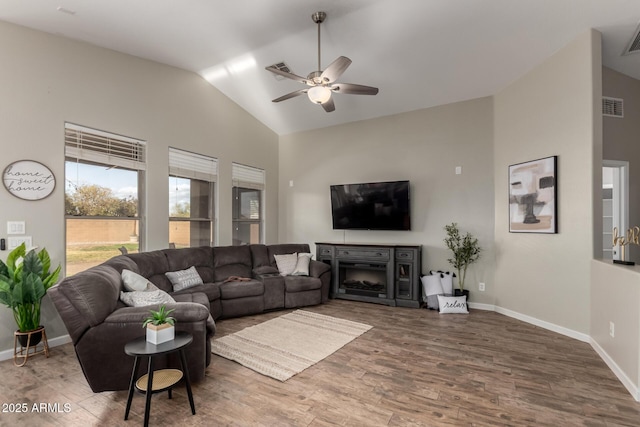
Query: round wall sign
28, 180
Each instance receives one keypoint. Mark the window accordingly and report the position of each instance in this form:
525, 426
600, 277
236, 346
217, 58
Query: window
248, 186
104, 181
192, 180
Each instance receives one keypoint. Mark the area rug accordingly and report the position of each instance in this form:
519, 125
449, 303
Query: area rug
287, 345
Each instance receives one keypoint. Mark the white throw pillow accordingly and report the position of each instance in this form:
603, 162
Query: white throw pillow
446, 278
135, 282
184, 279
144, 298
302, 266
452, 304
431, 287
286, 263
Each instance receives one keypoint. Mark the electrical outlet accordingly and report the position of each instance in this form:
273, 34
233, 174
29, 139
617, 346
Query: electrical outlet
481, 286
612, 329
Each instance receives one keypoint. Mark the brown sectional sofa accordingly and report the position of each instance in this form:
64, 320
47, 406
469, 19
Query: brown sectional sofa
99, 324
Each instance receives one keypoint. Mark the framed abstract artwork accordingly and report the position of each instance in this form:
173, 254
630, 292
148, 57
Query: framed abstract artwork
533, 193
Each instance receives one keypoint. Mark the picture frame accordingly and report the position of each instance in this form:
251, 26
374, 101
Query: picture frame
533, 196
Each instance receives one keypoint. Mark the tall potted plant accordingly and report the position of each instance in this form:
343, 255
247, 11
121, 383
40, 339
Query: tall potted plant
466, 251
24, 281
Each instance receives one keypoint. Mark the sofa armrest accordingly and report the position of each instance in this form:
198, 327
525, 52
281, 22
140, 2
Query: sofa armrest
184, 312
265, 270
318, 268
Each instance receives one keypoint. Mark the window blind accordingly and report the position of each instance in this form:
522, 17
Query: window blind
247, 177
191, 165
96, 146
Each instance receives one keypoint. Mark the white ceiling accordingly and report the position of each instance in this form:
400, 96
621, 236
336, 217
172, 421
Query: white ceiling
420, 53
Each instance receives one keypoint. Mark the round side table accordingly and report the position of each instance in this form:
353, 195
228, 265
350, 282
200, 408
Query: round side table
161, 380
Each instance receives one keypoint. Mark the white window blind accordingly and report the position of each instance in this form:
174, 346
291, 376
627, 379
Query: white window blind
95, 146
191, 165
247, 177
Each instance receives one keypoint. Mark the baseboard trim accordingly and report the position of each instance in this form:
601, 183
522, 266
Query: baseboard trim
624, 379
53, 342
480, 306
545, 325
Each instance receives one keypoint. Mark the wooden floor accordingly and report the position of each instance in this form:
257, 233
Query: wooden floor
414, 368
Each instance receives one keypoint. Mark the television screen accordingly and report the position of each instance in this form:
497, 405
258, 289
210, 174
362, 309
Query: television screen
371, 206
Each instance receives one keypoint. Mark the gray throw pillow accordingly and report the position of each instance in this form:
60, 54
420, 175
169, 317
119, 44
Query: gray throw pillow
135, 282
184, 279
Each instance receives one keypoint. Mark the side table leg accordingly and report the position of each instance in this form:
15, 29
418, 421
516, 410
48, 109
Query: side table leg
136, 364
185, 370
147, 406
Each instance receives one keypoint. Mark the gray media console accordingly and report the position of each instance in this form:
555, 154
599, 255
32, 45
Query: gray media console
382, 274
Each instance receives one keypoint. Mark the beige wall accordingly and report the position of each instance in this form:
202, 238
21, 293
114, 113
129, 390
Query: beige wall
422, 146
621, 139
47, 80
549, 111
615, 297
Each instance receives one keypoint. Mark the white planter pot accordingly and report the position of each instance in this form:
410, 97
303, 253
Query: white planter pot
161, 333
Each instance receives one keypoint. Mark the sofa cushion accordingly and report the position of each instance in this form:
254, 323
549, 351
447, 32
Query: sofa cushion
232, 290
197, 297
184, 279
231, 261
153, 265
301, 283
201, 258
94, 294
259, 255
211, 290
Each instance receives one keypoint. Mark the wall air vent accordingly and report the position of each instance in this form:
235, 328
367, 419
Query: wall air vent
282, 67
634, 44
612, 107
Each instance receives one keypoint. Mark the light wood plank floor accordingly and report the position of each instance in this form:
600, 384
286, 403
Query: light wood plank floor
414, 368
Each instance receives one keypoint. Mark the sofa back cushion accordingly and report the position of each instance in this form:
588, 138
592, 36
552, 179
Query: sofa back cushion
85, 299
153, 265
285, 248
231, 261
260, 256
201, 258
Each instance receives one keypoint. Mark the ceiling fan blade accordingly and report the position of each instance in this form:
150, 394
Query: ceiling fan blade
329, 106
353, 89
287, 75
291, 95
335, 69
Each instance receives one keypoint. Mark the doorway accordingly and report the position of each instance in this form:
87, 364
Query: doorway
615, 204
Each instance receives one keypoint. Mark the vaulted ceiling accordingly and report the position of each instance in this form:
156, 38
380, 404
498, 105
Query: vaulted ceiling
419, 53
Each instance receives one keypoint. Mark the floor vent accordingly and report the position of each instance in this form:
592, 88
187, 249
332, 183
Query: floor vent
612, 107
634, 44
282, 67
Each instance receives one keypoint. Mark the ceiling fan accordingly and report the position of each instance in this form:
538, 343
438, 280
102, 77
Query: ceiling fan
323, 83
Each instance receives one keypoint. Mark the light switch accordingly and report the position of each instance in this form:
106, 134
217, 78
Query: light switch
458, 170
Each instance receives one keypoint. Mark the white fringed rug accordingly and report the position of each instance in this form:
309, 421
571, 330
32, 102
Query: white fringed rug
289, 344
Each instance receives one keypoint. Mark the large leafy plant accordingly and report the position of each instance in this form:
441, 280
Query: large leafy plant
465, 248
24, 281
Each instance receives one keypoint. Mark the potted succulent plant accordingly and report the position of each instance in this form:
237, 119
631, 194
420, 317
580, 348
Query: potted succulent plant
160, 326
24, 281
466, 250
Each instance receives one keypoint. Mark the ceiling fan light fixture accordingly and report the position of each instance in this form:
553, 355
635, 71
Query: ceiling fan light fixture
319, 94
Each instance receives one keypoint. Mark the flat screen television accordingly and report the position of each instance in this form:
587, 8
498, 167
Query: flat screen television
371, 206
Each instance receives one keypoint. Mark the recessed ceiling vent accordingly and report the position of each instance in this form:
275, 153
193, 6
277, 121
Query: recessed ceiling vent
282, 67
612, 107
634, 44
